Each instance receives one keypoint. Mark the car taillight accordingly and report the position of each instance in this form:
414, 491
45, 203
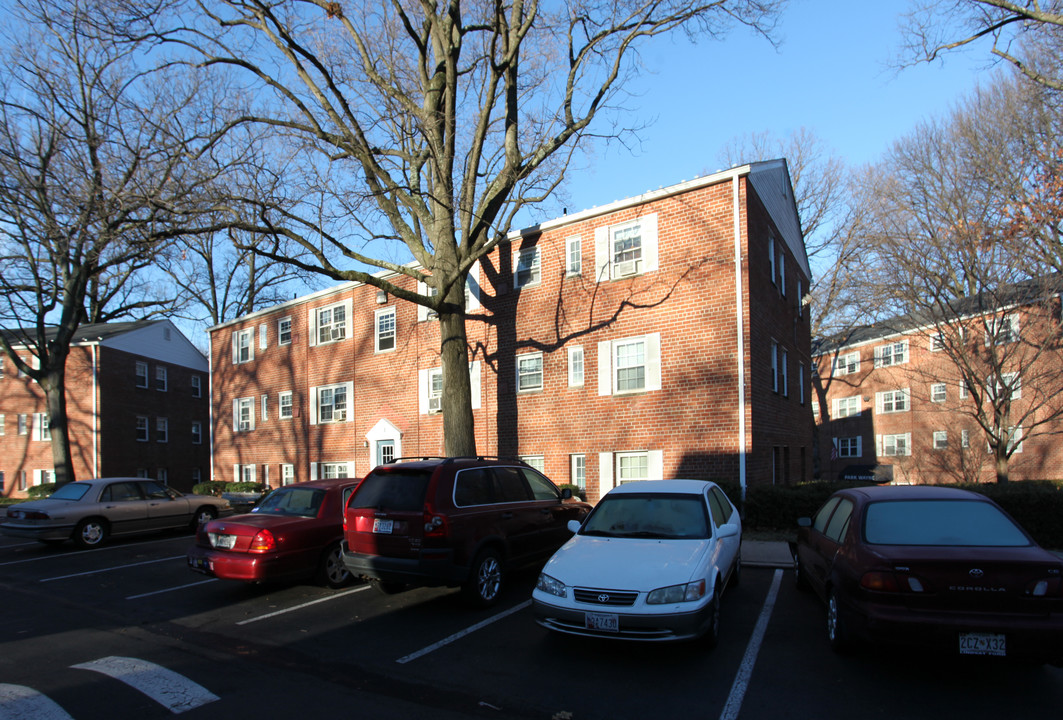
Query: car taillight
435, 525
263, 542
1046, 587
889, 582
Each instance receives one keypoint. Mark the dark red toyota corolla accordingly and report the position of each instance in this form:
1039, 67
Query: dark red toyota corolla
931, 566
294, 533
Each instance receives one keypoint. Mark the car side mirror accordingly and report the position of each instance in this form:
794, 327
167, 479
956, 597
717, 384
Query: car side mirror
574, 526
566, 494
804, 522
726, 531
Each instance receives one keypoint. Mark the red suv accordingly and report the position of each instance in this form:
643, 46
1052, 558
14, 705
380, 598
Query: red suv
454, 522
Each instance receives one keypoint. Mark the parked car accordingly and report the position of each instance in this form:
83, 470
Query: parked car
651, 562
90, 511
293, 533
933, 567
454, 522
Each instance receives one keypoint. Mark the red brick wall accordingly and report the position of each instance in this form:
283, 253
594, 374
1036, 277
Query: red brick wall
690, 301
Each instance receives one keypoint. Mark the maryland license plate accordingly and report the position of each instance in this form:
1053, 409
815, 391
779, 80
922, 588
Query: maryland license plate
383, 526
603, 622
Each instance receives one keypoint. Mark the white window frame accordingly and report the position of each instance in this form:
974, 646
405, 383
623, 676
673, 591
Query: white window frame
888, 402
850, 447
605, 239
573, 256
633, 466
162, 430
243, 346
23, 424
527, 371
265, 407
941, 440
197, 433
1015, 439
576, 366
197, 386
325, 329
527, 263
890, 354
846, 407
3, 432
141, 374
335, 469
41, 430
895, 445
382, 333
995, 327
937, 342
536, 461
939, 392
783, 369
577, 464
964, 392
846, 364
285, 405
284, 331
143, 429
247, 473
801, 382
287, 473
965, 438
337, 414
774, 366
161, 378
1012, 380
263, 336
244, 414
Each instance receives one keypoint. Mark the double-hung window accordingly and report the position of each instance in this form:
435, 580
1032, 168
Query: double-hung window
142, 428
626, 249
243, 346
938, 392
895, 353
573, 256
142, 374
899, 445
162, 430
575, 366
849, 447
160, 379
527, 267
284, 405
284, 331
331, 324
632, 466
893, 401
1009, 386
197, 386
941, 440
846, 364
332, 403
385, 329
197, 433
244, 414
629, 365
846, 406
530, 372
1003, 329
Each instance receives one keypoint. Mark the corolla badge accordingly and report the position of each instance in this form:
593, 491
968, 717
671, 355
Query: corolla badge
603, 598
976, 572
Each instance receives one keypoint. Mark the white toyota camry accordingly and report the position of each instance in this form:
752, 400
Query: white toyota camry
650, 562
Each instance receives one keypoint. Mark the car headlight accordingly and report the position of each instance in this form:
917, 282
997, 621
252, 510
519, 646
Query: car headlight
551, 585
687, 592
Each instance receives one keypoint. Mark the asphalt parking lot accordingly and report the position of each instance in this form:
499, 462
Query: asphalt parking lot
81, 625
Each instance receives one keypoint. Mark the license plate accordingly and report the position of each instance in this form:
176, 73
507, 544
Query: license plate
983, 644
201, 564
224, 542
606, 622
383, 526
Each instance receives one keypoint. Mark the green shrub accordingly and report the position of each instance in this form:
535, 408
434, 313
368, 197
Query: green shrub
577, 491
211, 487
245, 487
40, 491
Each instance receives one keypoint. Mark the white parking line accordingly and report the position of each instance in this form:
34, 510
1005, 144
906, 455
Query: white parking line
745, 670
463, 633
116, 567
160, 592
82, 553
171, 690
18, 702
300, 607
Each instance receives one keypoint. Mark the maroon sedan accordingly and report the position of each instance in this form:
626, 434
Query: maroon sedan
294, 533
931, 566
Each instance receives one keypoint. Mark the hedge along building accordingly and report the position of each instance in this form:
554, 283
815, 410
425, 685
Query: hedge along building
659, 336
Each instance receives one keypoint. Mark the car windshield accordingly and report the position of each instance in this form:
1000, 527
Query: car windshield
402, 490
649, 516
302, 502
940, 523
70, 491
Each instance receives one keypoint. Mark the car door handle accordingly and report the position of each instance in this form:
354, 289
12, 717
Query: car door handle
507, 516
545, 511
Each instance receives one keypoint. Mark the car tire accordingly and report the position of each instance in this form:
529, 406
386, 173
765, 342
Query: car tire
712, 635
484, 585
90, 533
204, 515
838, 633
736, 573
331, 571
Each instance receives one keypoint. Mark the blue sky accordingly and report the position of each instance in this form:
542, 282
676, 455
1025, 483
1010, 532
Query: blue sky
831, 73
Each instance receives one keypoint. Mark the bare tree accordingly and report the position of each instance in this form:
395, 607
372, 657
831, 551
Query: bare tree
95, 166
431, 126
945, 254
1028, 34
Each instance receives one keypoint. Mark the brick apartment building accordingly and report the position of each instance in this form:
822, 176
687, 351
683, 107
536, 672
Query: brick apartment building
137, 399
659, 336
900, 400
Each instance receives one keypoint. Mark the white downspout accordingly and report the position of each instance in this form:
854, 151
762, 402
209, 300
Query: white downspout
95, 410
740, 323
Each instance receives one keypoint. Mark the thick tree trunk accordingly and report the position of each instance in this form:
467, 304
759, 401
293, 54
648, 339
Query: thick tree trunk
54, 385
459, 433
1001, 457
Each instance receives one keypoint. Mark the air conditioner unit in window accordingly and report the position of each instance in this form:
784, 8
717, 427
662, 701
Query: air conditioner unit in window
338, 333
339, 415
626, 268
435, 404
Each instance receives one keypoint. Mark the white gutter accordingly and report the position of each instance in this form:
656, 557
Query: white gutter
740, 326
95, 410
210, 417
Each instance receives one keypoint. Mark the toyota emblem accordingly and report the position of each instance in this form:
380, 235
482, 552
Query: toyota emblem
976, 572
603, 598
